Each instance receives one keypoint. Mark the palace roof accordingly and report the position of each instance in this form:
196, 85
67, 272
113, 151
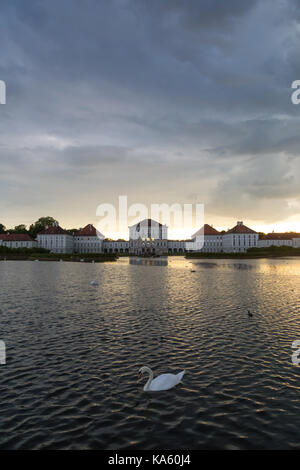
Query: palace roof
15, 237
240, 228
54, 230
88, 231
206, 230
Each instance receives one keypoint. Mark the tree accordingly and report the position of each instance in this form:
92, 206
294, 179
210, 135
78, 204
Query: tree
41, 225
19, 229
2, 228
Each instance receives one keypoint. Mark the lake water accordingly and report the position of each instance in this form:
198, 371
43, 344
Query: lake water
73, 354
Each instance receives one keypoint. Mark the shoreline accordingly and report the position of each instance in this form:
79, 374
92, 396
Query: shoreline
70, 259
115, 258
245, 256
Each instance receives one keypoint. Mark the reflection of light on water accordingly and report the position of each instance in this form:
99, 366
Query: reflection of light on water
163, 261
286, 266
167, 318
283, 266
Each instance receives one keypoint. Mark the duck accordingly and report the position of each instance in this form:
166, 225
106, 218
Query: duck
250, 314
94, 283
161, 382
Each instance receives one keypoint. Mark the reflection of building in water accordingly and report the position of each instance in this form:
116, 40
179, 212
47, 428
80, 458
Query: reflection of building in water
148, 237
163, 261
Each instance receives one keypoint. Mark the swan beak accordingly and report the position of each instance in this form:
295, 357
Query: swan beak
139, 375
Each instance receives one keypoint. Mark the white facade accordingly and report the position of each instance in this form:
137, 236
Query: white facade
176, 246
116, 246
265, 243
17, 241
148, 229
296, 242
88, 244
237, 240
207, 240
56, 243
20, 244
239, 243
206, 244
279, 239
148, 237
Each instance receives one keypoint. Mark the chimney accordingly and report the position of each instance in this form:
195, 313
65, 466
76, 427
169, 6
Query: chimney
239, 223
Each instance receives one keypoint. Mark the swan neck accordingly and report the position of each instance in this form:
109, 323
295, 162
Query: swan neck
147, 386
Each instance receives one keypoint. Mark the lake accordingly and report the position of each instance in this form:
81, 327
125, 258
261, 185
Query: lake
74, 350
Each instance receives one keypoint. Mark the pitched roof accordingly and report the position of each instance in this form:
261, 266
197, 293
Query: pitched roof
240, 228
280, 236
15, 237
206, 230
119, 240
54, 230
147, 223
88, 231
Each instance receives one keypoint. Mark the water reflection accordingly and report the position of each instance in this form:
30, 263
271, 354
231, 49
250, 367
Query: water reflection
281, 266
163, 261
240, 389
241, 266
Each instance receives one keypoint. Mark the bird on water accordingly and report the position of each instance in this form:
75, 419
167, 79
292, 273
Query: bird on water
161, 382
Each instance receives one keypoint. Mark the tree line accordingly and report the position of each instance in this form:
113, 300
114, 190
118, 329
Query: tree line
34, 228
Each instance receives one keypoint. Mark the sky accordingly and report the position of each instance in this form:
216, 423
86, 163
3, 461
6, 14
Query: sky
167, 101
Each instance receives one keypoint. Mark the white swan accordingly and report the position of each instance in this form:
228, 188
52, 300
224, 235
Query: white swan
94, 283
161, 382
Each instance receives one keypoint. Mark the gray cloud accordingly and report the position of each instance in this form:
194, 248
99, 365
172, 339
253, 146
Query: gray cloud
159, 100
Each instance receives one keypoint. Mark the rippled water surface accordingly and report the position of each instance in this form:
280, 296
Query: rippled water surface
73, 353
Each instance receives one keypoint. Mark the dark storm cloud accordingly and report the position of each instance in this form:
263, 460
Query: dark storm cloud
170, 96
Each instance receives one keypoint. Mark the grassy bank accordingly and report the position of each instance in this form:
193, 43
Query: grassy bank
270, 252
26, 254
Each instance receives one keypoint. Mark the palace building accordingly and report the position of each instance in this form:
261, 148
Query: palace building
239, 239
17, 240
207, 239
88, 240
56, 239
149, 237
